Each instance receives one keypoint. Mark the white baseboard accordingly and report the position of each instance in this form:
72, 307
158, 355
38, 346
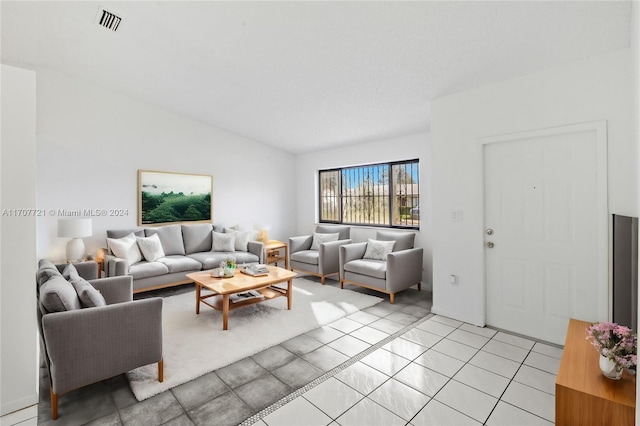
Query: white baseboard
455, 316
19, 404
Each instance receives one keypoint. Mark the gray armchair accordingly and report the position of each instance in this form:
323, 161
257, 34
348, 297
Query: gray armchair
324, 260
389, 273
84, 346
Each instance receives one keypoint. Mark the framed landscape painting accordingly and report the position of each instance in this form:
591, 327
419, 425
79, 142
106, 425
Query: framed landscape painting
165, 198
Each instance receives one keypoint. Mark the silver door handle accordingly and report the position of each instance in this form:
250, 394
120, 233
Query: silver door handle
490, 244
489, 231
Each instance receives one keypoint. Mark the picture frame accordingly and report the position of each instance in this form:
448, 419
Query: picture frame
168, 198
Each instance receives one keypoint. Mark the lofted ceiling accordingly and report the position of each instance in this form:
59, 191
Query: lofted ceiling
305, 76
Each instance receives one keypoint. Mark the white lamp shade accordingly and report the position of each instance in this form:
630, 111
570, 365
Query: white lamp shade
74, 228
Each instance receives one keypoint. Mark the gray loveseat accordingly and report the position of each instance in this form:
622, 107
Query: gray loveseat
93, 330
185, 249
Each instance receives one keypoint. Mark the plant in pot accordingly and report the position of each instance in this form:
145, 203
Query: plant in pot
617, 347
228, 266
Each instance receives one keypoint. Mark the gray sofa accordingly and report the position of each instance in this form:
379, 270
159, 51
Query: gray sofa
92, 329
185, 249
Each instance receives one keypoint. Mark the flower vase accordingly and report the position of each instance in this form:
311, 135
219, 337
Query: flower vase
610, 369
229, 271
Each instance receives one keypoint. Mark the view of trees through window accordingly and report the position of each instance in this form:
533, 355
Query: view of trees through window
386, 194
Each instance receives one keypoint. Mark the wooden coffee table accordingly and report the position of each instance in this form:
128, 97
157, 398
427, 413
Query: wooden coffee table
223, 288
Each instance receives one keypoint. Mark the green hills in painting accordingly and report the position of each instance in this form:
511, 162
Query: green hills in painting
175, 207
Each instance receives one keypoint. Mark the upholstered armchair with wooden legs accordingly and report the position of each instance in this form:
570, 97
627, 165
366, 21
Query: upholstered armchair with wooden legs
388, 264
318, 254
87, 345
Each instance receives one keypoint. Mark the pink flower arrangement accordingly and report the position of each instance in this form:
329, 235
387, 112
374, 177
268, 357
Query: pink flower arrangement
616, 342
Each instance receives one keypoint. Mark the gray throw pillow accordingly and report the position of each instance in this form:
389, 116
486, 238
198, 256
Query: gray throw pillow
70, 272
150, 247
197, 237
242, 238
45, 274
378, 250
58, 295
223, 242
404, 240
46, 264
170, 238
89, 296
322, 238
343, 230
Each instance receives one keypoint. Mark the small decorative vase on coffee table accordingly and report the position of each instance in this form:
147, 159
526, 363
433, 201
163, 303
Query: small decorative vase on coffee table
229, 271
610, 369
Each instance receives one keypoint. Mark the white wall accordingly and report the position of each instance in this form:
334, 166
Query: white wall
92, 141
635, 52
402, 148
18, 326
599, 88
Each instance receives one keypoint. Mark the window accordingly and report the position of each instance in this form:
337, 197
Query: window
386, 194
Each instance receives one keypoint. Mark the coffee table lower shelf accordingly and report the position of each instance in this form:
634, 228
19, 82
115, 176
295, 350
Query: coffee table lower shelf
218, 300
222, 289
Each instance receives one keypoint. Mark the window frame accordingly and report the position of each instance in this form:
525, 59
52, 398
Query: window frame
390, 195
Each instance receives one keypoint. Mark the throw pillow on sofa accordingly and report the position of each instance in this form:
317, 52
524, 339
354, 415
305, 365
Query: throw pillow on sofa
170, 237
89, 296
46, 271
125, 248
197, 237
150, 247
242, 238
322, 238
223, 242
58, 295
70, 272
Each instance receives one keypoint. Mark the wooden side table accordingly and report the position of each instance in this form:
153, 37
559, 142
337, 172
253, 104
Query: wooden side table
583, 395
100, 263
273, 253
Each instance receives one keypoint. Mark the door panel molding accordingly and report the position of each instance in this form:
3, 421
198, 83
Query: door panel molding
603, 234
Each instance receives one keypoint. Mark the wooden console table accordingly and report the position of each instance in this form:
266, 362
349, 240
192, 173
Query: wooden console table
583, 395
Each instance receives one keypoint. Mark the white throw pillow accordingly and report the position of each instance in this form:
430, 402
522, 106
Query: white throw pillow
378, 250
242, 239
125, 248
323, 238
151, 247
223, 242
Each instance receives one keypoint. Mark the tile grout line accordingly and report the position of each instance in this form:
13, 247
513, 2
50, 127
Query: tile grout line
449, 378
298, 392
511, 380
402, 330
367, 396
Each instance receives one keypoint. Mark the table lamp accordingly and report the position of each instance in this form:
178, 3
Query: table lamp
74, 229
263, 232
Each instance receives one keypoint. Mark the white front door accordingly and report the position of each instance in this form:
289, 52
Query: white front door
546, 213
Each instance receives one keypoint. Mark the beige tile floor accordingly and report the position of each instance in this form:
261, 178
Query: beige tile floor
385, 365
442, 372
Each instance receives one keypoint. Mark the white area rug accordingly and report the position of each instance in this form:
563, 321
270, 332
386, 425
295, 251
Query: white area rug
196, 344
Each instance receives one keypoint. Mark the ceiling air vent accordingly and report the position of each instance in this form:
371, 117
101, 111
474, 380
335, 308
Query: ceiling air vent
108, 20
